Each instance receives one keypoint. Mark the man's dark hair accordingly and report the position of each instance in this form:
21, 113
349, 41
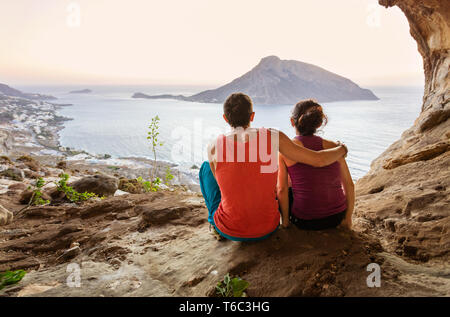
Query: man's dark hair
237, 109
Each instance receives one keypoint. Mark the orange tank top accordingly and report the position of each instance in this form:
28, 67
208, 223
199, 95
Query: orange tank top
248, 208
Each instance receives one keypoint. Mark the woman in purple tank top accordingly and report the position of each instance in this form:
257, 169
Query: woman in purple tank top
314, 198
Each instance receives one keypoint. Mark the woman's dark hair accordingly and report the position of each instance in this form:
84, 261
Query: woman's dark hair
308, 116
238, 109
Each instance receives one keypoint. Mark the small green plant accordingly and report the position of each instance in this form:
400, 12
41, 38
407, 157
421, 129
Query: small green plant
146, 185
71, 193
155, 184
36, 196
152, 136
149, 186
168, 177
232, 287
11, 277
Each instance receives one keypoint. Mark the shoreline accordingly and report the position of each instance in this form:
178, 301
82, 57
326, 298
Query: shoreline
32, 128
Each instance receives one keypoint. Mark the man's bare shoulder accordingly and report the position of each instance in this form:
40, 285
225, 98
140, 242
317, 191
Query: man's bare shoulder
275, 132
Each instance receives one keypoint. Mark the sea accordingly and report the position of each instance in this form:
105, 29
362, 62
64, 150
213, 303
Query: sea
109, 121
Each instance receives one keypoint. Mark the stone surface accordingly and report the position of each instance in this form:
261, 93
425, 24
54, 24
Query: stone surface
5, 216
101, 185
106, 207
69, 254
30, 162
13, 173
176, 255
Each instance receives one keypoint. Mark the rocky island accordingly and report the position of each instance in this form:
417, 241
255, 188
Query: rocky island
275, 81
158, 244
81, 91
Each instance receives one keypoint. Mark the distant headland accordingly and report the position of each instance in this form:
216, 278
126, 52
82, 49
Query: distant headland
12, 92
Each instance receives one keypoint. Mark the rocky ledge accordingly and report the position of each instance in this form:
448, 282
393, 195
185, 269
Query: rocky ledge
158, 244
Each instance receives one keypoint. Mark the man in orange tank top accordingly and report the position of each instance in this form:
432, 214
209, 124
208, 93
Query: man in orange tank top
239, 181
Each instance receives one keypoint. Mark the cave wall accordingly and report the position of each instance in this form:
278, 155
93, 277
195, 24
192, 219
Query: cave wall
429, 22
405, 195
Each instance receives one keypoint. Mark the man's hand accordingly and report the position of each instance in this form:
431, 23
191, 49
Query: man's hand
344, 146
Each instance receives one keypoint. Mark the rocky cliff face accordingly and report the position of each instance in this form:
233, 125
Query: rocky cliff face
406, 193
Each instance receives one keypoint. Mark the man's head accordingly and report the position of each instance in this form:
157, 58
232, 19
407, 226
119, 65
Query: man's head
238, 110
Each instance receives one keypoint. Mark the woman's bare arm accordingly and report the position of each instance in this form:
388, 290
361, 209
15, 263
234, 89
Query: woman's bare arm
301, 154
283, 191
349, 189
347, 183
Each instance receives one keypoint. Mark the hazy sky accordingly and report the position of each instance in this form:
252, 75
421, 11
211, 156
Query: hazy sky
200, 41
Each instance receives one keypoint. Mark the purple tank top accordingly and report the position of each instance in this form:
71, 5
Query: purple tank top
317, 191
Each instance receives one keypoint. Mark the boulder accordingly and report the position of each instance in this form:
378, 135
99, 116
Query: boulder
5, 216
5, 159
62, 165
33, 165
101, 185
31, 174
30, 162
17, 186
13, 173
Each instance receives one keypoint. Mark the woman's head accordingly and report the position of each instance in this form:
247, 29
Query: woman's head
307, 117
